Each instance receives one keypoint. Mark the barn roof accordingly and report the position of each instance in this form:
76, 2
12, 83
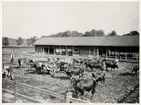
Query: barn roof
90, 41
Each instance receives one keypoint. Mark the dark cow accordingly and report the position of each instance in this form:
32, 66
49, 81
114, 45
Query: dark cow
72, 72
92, 65
30, 63
66, 68
78, 61
135, 69
110, 64
101, 78
38, 68
82, 85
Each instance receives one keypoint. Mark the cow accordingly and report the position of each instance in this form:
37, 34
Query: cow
110, 64
78, 72
101, 78
135, 69
22, 61
92, 65
82, 85
7, 72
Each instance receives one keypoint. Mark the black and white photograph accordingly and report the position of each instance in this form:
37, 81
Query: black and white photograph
70, 51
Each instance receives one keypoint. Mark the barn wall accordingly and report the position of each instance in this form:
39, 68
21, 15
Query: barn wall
101, 51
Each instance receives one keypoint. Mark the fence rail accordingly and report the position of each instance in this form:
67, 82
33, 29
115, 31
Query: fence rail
67, 98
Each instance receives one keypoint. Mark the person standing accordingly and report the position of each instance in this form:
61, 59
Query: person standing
12, 58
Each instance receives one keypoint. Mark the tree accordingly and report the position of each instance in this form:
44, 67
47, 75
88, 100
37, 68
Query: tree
93, 32
19, 41
31, 40
132, 33
113, 33
28, 42
100, 33
5, 41
87, 33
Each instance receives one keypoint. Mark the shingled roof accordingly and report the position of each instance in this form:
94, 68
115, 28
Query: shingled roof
90, 41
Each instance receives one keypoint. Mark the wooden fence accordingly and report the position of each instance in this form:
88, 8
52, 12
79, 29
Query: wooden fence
66, 98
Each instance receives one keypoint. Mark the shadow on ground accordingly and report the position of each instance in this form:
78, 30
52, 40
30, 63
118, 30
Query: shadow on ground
127, 74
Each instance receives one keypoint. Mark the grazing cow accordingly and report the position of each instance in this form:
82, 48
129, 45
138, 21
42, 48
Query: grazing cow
110, 64
101, 78
22, 61
92, 65
135, 69
82, 85
8, 72
72, 72
38, 68
78, 61
30, 63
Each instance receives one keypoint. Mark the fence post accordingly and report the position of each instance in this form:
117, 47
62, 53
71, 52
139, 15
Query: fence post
69, 95
15, 91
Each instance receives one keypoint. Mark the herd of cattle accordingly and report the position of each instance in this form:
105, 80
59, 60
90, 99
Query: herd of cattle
71, 67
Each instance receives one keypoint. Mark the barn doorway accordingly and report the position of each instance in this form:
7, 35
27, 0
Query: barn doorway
51, 51
46, 50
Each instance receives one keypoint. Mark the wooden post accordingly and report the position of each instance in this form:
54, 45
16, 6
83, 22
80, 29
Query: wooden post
54, 50
48, 50
126, 57
97, 52
43, 49
15, 91
106, 52
66, 50
60, 50
69, 95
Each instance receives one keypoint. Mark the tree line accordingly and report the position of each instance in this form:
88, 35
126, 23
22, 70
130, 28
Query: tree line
19, 41
93, 32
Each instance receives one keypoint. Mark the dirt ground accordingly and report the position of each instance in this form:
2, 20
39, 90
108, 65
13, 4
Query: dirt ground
117, 83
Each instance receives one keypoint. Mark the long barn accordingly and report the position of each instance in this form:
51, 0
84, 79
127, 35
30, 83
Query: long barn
121, 47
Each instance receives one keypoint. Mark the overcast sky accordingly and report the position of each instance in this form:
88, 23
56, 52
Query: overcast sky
27, 19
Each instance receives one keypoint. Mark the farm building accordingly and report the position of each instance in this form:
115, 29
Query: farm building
121, 47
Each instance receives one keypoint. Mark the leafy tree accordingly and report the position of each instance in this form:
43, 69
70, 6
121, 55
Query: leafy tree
19, 41
5, 41
87, 33
93, 32
132, 33
28, 42
31, 40
75, 34
113, 33
100, 33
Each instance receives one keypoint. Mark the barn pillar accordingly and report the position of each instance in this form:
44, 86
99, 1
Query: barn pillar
60, 50
54, 50
48, 50
106, 52
43, 49
66, 50
97, 52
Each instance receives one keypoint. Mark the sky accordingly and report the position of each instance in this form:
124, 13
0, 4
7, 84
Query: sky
27, 19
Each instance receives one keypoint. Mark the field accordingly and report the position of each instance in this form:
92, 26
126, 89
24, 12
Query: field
117, 84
